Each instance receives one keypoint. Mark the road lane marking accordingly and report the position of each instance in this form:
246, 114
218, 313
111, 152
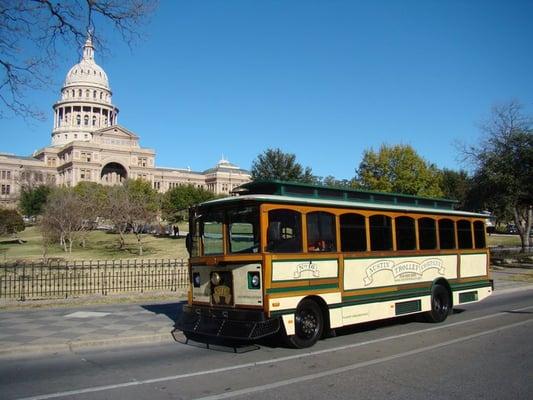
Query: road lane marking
305, 378
264, 362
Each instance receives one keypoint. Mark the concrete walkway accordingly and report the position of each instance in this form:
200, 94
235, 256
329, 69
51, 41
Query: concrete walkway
37, 331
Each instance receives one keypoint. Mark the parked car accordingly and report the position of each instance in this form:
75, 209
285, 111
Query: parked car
511, 229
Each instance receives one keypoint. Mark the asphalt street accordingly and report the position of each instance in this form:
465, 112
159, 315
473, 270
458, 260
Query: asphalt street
483, 350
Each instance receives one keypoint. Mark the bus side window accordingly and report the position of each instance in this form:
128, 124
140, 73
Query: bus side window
427, 234
446, 234
321, 232
284, 231
353, 232
380, 232
479, 234
405, 233
464, 234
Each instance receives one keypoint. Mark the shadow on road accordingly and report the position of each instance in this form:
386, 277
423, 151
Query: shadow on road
171, 310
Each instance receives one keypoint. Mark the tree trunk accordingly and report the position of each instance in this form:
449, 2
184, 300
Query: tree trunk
139, 243
122, 239
523, 225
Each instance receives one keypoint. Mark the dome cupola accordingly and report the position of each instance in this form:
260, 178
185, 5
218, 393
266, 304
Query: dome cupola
85, 104
87, 72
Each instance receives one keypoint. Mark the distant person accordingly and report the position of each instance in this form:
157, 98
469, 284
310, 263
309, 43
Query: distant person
176, 230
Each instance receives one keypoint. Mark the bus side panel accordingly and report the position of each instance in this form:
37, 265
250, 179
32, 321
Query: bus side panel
473, 265
366, 273
360, 313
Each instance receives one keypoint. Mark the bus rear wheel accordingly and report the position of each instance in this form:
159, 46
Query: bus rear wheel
441, 304
308, 324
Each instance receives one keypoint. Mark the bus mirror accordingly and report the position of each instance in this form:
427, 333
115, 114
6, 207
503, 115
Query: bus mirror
188, 244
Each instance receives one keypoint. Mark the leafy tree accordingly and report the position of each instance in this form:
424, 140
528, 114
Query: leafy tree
503, 160
31, 30
33, 199
456, 185
177, 200
277, 165
331, 181
398, 169
10, 222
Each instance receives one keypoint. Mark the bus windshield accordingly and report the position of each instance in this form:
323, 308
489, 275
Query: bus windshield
242, 231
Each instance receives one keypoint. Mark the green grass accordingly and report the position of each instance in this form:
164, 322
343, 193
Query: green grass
503, 240
102, 245
99, 246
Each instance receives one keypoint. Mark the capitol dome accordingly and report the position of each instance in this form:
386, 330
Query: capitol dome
85, 105
87, 72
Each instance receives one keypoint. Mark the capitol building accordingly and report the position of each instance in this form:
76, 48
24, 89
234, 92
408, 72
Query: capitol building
88, 144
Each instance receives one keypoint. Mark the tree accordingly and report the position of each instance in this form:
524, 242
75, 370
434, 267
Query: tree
503, 166
177, 200
398, 169
133, 205
10, 222
32, 30
274, 164
33, 199
65, 218
456, 185
331, 181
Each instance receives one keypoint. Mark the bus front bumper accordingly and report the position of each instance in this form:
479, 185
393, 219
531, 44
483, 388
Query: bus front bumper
226, 323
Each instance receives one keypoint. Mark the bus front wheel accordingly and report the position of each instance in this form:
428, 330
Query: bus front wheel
441, 304
308, 324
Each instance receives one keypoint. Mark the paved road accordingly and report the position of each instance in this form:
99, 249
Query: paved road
483, 351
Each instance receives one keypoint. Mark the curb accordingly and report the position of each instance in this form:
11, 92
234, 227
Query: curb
70, 347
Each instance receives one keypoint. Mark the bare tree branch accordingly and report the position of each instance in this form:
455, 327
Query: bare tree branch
31, 30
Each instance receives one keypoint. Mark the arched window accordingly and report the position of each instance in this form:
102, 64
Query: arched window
79, 92
87, 93
78, 120
284, 231
100, 95
464, 234
86, 120
405, 233
94, 120
427, 234
479, 234
353, 232
321, 231
94, 94
447, 234
380, 232
73, 93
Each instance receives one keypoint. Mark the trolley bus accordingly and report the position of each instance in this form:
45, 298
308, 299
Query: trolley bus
303, 260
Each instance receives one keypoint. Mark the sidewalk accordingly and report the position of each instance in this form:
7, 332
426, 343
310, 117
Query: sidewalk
36, 331
39, 331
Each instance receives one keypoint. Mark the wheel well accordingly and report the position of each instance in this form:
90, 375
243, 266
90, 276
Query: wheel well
325, 311
444, 282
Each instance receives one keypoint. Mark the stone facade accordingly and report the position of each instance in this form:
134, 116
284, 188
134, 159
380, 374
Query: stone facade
88, 144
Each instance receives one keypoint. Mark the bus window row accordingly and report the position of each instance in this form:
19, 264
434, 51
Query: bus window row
284, 234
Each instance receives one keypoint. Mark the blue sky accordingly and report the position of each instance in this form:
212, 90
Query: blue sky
322, 79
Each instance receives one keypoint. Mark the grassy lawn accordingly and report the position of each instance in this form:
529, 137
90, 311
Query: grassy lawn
503, 240
100, 246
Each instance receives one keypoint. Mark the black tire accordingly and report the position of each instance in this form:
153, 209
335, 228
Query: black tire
308, 324
441, 304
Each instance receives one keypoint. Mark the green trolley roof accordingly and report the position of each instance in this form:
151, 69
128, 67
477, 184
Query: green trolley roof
319, 192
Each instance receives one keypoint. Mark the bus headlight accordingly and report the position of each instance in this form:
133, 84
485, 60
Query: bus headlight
196, 279
254, 280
